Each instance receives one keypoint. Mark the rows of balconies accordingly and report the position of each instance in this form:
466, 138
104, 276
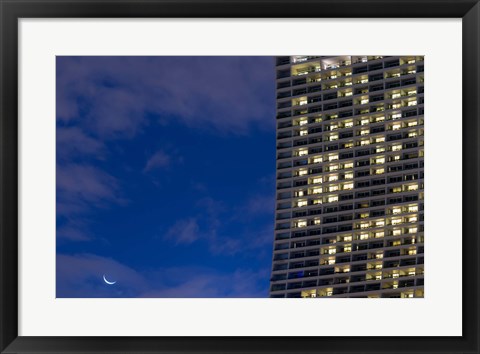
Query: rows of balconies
361, 198
343, 252
308, 152
357, 127
347, 91
352, 273
398, 134
334, 71
317, 82
360, 98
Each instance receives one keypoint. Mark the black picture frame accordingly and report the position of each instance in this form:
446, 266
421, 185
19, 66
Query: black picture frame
12, 10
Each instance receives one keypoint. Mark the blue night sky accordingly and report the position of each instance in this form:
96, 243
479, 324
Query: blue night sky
165, 176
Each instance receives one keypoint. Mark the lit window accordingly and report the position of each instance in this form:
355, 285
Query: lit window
333, 126
317, 159
317, 180
380, 119
333, 188
331, 261
397, 232
300, 193
396, 126
412, 134
380, 160
348, 186
380, 149
412, 230
348, 124
412, 219
333, 157
302, 122
364, 101
302, 172
303, 132
332, 251
302, 223
412, 92
396, 105
412, 103
363, 236
333, 178
412, 208
333, 198
364, 121
397, 210
380, 223
396, 95
363, 81
348, 145
301, 203
411, 61
396, 147
347, 238
365, 142
364, 215
316, 190
411, 273
350, 92
379, 171
302, 102
302, 152
396, 189
333, 137
379, 234
333, 167
380, 139
365, 132
412, 124
396, 157
396, 221
364, 225
396, 116
412, 252
316, 221
348, 165
317, 201
412, 187
347, 248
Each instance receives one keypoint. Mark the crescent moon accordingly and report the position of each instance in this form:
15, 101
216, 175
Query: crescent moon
108, 282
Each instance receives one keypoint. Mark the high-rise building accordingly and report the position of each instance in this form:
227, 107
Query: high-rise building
349, 191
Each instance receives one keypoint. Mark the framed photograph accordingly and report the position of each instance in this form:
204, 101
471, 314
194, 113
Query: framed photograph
216, 176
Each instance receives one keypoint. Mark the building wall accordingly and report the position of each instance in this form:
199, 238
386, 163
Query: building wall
349, 197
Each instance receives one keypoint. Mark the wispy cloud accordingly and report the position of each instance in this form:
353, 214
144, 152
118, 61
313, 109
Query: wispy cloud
73, 142
215, 222
79, 187
157, 160
72, 233
183, 232
114, 101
